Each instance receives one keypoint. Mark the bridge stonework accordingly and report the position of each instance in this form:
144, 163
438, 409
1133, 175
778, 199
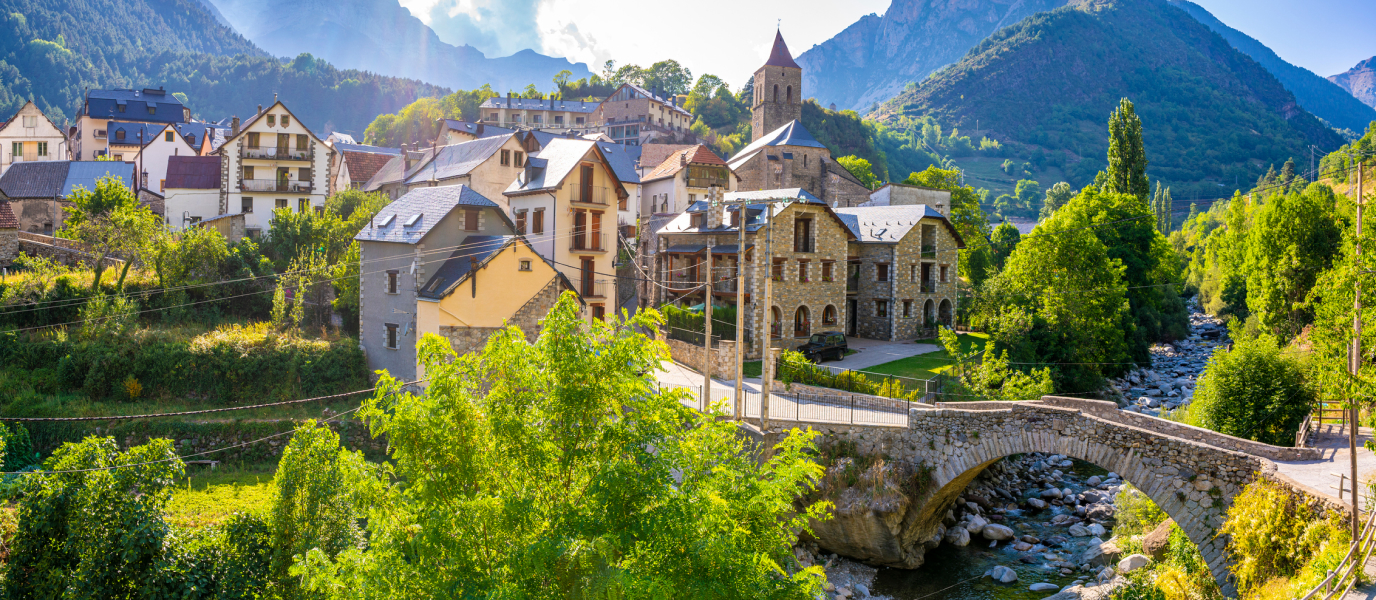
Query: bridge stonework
1190, 473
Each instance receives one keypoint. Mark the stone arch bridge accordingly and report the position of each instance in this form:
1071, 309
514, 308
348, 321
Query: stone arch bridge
1190, 473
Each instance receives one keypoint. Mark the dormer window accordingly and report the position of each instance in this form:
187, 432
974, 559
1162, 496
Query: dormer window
387, 221
152, 110
119, 134
698, 220
411, 222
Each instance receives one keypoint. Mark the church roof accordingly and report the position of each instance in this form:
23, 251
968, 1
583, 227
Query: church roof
792, 134
779, 56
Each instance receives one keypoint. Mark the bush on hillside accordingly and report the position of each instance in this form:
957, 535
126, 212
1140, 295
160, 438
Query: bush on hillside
1255, 391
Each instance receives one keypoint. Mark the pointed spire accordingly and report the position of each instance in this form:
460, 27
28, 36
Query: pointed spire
780, 56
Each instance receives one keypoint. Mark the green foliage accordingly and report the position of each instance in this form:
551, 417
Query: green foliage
1161, 208
861, 169
1255, 391
795, 368
1272, 534
322, 492
1001, 244
689, 325
345, 280
109, 220
966, 215
106, 316
555, 469
1127, 157
1135, 513
1331, 301
1056, 197
992, 378
1292, 239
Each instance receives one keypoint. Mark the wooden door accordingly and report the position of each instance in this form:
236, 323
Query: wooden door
283, 144
586, 173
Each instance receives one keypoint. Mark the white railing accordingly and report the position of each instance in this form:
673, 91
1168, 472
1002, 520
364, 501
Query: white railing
588, 195
274, 153
273, 185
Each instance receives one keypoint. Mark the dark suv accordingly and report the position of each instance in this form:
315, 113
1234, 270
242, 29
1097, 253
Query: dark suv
822, 346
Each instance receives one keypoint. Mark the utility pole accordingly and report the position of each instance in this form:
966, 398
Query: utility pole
1354, 362
767, 370
707, 329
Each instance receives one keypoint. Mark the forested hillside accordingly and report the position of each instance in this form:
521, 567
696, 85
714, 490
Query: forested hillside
1214, 119
51, 51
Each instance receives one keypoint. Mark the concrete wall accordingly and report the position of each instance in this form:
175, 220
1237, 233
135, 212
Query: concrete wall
39, 215
194, 203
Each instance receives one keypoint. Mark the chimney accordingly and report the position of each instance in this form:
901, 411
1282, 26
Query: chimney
480, 130
234, 127
260, 109
716, 209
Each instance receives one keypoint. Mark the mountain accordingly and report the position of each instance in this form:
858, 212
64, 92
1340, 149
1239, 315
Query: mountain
1317, 95
877, 56
1360, 81
52, 51
1212, 117
382, 37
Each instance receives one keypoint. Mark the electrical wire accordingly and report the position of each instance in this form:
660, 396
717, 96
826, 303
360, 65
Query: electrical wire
190, 412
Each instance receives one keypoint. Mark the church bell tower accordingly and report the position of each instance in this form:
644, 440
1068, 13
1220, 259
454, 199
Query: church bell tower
778, 91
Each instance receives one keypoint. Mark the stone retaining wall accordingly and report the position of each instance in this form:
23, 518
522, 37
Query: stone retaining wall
9, 246
723, 356
64, 251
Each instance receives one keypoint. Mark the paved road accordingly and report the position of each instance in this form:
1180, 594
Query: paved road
1320, 474
874, 352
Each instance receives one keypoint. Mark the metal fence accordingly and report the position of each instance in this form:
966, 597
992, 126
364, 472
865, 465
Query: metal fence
839, 408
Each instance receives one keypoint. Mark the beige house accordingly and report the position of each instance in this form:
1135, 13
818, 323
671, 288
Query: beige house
565, 203
682, 179
486, 165
536, 113
272, 162
90, 137
454, 131
634, 116
29, 136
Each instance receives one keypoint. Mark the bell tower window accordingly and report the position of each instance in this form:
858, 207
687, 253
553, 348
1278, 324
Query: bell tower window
790, 94
776, 92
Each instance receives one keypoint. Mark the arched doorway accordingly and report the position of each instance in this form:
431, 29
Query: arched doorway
944, 313
928, 313
802, 324
829, 315
776, 316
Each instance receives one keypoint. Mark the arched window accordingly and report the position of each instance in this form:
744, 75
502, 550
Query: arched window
928, 314
776, 92
944, 313
790, 94
775, 317
829, 315
802, 324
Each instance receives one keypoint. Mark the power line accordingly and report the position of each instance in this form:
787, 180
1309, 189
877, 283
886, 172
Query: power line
189, 412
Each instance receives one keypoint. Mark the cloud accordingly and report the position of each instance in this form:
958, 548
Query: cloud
496, 27
563, 38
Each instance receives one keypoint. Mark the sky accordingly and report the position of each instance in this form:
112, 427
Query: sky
1324, 36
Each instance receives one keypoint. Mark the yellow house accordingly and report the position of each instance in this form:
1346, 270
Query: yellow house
488, 282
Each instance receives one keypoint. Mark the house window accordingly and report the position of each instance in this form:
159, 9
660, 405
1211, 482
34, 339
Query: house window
537, 221
246, 205
281, 203
881, 308
391, 341
829, 315
303, 173
253, 139
521, 221
31, 121
520, 159
697, 220
525, 264
506, 158
470, 219
881, 272
802, 272
248, 172
17, 149
826, 271
578, 121
802, 322
621, 203
119, 158
907, 308
599, 312
802, 235
122, 107
912, 273
494, 116
943, 273
776, 315
286, 120
392, 282
167, 136
778, 270
736, 218
537, 119
303, 142
302, 205
162, 185
558, 119
152, 110
585, 285
692, 198
272, 120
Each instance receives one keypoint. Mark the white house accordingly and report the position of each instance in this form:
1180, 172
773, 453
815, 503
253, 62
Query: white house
192, 190
30, 136
273, 162
160, 141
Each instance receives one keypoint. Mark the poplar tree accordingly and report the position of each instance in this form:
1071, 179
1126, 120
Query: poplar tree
1127, 158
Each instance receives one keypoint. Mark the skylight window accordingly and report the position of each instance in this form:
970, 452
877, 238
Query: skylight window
411, 222
387, 221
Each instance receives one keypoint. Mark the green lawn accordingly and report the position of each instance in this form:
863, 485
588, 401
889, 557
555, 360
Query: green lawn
206, 497
926, 366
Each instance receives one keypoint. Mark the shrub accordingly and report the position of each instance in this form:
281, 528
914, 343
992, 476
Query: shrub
1272, 534
1254, 391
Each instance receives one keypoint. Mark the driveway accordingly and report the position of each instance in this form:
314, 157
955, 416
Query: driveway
876, 352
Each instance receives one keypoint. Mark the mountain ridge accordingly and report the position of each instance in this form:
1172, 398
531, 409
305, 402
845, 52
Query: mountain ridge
1360, 81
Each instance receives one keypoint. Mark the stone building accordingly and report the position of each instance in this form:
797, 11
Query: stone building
902, 194
536, 113
634, 116
9, 235
902, 271
37, 191
806, 259
782, 153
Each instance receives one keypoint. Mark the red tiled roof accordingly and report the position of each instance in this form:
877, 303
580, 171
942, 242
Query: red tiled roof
698, 154
779, 56
653, 154
193, 173
7, 220
363, 165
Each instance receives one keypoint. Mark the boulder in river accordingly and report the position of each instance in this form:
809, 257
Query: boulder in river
1132, 563
958, 536
1003, 574
1078, 530
975, 524
997, 532
1044, 587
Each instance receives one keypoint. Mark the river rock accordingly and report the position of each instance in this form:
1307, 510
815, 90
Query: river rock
1158, 541
975, 524
997, 532
1051, 494
1132, 563
1100, 512
1078, 530
1093, 481
1044, 587
1022, 546
1003, 574
1096, 530
1036, 503
958, 536
862, 590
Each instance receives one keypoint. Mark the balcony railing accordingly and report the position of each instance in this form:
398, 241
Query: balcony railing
929, 287
276, 153
588, 242
852, 284
928, 250
589, 195
273, 185
594, 289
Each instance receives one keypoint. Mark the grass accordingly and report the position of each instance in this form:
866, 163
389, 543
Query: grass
207, 497
929, 365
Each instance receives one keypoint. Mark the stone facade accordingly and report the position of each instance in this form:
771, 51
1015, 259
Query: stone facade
528, 318
801, 293
9, 246
778, 99
723, 356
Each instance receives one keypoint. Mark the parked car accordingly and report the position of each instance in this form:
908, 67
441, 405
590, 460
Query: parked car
821, 346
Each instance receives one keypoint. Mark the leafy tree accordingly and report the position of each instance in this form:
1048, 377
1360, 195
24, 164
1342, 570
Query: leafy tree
1254, 391
861, 169
667, 77
991, 378
556, 469
1161, 208
1127, 157
1001, 244
1293, 239
109, 220
322, 491
345, 279
193, 255
1056, 197
1331, 301
1028, 193
966, 214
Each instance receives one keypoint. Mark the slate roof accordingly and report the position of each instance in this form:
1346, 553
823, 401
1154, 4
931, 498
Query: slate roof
131, 132
698, 154
622, 159
7, 220
455, 269
454, 160
791, 134
197, 132
431, 203
890, 224
391, 172
105, 104
578, 106
779, 56
754, 213
366, 148
85, 173
547, 168
193, 173
41, 179
481, 130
